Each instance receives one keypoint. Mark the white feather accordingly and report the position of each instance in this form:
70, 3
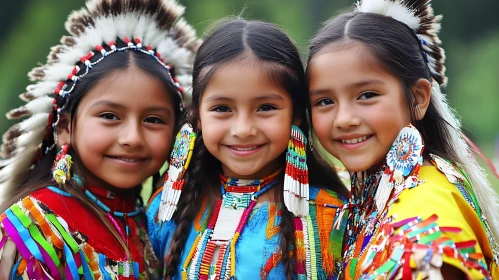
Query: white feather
73, 55
36, 121
42, 88
141, 27
20, 165
102, 24
31, 138
153, 36
394, 9
58, 72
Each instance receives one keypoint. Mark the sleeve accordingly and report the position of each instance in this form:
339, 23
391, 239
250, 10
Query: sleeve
428, 226
37, 244
160, 234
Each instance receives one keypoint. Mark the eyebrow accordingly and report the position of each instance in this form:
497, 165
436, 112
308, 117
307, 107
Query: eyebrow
354, 85
119, 106
271, 96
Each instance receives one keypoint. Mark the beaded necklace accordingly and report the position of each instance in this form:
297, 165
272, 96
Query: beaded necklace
363, 220
213, 251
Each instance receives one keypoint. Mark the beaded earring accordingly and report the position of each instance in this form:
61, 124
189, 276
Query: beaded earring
174, 181
296, 192
61, 170
403, 162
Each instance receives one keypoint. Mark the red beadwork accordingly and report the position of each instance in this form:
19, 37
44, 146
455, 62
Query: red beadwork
59, 87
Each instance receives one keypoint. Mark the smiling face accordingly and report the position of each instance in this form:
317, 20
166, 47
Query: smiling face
123, 129
245, 120
358, 108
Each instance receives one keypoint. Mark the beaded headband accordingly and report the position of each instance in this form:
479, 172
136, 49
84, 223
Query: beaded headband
104, 27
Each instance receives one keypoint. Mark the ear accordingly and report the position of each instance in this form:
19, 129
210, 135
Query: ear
64, 130
422, 96
199, 125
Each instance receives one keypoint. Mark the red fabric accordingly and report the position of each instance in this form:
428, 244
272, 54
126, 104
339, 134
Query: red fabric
82, 220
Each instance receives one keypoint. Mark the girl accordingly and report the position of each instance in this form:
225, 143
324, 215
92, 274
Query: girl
249, 95
413, 209
113, 113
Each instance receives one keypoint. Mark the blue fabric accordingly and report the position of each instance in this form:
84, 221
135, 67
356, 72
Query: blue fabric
253, 249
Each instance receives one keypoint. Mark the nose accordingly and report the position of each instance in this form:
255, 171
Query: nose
346, 116
243, 126
132, 135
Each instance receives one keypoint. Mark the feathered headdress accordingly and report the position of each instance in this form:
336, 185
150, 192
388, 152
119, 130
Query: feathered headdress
419, 16
153, 27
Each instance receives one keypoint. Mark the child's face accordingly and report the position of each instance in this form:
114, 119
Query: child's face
123, 129
358, 108
245, 120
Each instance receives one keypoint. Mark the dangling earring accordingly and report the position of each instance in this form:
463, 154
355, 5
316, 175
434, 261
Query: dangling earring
61, 171
174, 181
296, 189
403, 161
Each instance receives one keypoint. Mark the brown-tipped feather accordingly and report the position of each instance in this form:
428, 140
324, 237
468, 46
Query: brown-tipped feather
18, 113
37, 74
54, 52
12, 133
68, 41
78, 21
27, 96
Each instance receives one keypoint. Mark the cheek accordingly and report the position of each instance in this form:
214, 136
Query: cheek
322, 126
161, 143
92, 136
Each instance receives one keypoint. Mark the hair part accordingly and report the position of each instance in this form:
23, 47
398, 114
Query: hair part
265, 44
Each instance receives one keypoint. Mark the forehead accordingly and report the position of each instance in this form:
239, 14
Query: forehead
246, 79
345, 63
132, 88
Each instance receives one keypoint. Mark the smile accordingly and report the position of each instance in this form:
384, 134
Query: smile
244, 149
355, 140
132, 160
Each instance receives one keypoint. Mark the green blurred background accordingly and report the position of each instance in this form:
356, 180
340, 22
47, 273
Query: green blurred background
470, 37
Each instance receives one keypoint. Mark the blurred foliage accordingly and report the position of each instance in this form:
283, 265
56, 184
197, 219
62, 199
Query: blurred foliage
470, 36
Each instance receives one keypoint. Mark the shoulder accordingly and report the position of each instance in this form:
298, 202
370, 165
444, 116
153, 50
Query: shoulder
440, 191
439, 212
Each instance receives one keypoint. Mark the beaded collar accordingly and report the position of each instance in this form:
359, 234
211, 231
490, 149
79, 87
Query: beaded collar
214, 250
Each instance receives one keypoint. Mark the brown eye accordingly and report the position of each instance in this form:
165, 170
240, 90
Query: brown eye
324, 102
153, 120
221, 109
368, 95
267, 107
109, 116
